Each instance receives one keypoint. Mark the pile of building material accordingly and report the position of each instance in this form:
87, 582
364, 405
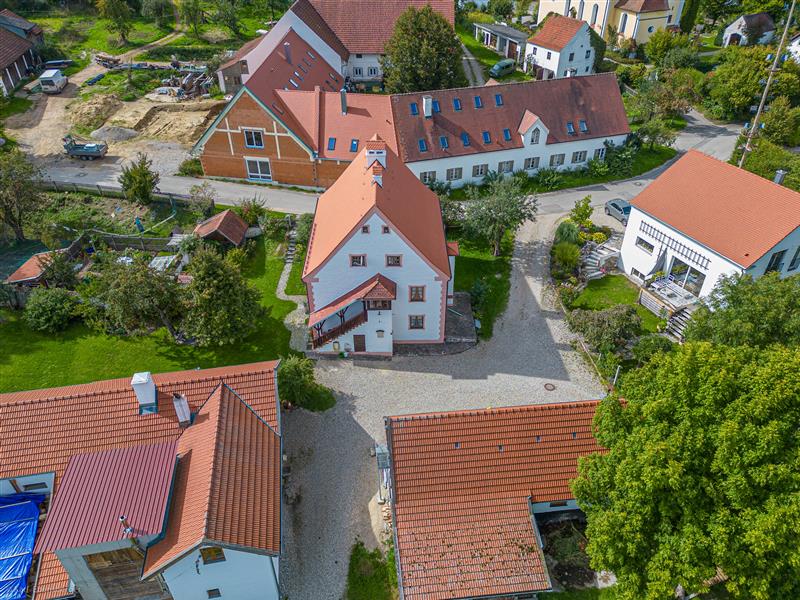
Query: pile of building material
186, 85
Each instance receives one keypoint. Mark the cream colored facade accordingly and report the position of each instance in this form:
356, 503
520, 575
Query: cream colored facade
599, 14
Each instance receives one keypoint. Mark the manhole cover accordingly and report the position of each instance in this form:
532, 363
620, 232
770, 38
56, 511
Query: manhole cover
549, 387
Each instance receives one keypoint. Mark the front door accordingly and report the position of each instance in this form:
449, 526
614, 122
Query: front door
359, 343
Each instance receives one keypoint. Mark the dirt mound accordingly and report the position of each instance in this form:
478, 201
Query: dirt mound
94, 111
110, 133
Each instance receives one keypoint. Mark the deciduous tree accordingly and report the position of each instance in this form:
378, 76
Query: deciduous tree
782, 122
160, 11
120, 16
19, 196
59, 270
192, 14
700, 475
49, 309
227, 16
656, 131
502, 206
423, 53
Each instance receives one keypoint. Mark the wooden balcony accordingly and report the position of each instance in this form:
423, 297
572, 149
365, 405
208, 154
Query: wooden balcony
338, 331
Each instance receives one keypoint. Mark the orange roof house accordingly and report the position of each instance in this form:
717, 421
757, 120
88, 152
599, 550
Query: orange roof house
31, 271
465, 486
185, 466
556, 32
226, 226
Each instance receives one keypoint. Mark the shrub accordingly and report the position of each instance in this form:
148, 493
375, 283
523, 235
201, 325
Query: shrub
191, 167
479, 293
297, 386
598, 168
631, 75
568, 294
581, 212
606, 330
251, 210
567, 231
439, 187
303, 228
583, 237
202, 198
548, 178
49, 309
236, 257
599, 237
276, 227
567, 255
452, 211
649, 346
139, 181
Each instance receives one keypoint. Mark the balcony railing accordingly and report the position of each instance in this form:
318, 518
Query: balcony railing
326, 336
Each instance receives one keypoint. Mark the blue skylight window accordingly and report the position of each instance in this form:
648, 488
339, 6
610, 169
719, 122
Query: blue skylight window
465, 139
331, 143
498, 99
582, 125
414, 109
456, 104
507, 135
570, 128
487, 137
443, 142
423, 145
436, 107
353, 145
478, 102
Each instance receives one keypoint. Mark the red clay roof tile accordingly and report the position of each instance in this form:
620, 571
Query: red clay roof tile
642, 6
31, 269
556, 32
376, 287
227, 224
12, 46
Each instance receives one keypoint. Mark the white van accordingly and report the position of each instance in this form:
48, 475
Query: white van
53, 81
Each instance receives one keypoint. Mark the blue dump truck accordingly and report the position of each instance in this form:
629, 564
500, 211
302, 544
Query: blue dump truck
84, 151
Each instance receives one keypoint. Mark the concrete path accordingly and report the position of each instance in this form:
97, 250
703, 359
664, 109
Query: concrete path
295, 321
472, 68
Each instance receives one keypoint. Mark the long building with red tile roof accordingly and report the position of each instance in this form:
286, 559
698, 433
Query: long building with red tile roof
465, 489
205, 442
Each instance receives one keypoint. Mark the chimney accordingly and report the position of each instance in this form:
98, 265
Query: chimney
287, 52
145, 389
126, 527
427, 106
343, 96
182, 411
780, 175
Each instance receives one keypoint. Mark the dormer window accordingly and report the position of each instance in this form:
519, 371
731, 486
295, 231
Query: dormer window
498, 99
507, 135
423, 145
478, 102
354, 145
465, 139
457, 104
331, 144
414, 109
570, 128
535, 136
487, 137
443, 142
582, 125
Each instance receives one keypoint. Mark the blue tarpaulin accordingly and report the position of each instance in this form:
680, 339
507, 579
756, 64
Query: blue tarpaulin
19, 518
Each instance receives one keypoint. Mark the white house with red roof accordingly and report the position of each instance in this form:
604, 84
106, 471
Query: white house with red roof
702, 219
378, 270
561, 47
162, 486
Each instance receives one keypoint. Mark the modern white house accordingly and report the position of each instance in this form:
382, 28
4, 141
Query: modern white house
702, 219
459, 135
758, 25
378, 270
350, 35
561, 47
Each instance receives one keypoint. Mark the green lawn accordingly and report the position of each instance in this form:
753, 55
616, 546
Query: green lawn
11, 106
34, 360
116, 82
486, 56
295, 285
476, 262
612, 290
371, 575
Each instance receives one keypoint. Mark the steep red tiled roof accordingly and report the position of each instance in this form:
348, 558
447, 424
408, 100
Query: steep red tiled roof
376, 287
49, 426
30, 269
227, 488
309, 15
99, 487
729, 210
241, 52
12, 46
402, 198
227, 224
319, 118
462, 486
642, 6
364, 26
592, 98
556, 32
21, 22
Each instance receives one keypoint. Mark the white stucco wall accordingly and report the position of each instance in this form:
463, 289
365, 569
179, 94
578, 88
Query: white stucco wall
559, 61
241, 576
337, 277
518, 155
790, 243
378, 320
365, 61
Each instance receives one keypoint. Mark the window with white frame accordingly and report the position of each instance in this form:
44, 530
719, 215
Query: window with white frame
600, 153
372, 71
531, 163
454, 174
427, 177
549, 55
535, 136
394, 260
253, 139
579, 157
638, 274
358, 260
645, 245
505, 166
556, 160
480, 170
258, 168
358, 71
416, 321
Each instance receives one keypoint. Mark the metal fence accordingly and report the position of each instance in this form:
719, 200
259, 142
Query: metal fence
108, 191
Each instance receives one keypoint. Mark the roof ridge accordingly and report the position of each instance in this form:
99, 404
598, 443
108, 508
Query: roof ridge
492, 410
739, 169
213, 479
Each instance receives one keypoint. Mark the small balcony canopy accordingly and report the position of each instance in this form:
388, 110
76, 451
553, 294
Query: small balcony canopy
376, 287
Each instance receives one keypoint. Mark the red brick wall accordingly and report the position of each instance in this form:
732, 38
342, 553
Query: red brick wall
294, 167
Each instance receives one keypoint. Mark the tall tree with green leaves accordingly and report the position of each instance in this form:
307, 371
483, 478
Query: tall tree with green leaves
138, 180
227, 16
160, 11
423, 53
120, 15
700, 476
782, 122
223, 308
714, 10
502, 206
192, 14
689, 15
19, 196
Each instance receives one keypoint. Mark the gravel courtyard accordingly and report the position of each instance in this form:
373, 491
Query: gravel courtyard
333, 477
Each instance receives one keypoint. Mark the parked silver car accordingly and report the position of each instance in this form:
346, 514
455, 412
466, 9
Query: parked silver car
619, 209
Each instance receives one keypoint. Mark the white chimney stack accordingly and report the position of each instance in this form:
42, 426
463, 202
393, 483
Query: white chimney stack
427, 106
182, 411
145, 389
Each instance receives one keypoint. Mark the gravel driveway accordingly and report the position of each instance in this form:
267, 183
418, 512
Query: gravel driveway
333, 476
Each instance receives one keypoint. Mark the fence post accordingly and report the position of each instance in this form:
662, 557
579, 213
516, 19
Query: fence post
55, 185
75, 185
99, 191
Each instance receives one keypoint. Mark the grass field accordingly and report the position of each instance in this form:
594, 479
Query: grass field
612, 290
116, 82
11, 106
487, 57
371, 575
34, 360
295, 285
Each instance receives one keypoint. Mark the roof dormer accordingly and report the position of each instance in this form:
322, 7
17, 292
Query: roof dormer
528, 124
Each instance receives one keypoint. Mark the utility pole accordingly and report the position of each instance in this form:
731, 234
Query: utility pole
774, 69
